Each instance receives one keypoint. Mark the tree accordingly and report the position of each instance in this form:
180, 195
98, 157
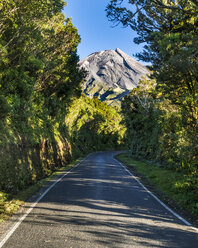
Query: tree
39, 76
140, 113
163, 124
169, 31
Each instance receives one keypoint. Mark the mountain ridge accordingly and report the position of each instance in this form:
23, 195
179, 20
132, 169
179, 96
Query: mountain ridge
111, 74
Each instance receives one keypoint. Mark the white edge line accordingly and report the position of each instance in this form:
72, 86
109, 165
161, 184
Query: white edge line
16, 225
157, 199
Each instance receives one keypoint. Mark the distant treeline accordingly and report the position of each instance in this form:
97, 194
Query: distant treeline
44, 120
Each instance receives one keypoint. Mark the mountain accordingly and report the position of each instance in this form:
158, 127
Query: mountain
111, 74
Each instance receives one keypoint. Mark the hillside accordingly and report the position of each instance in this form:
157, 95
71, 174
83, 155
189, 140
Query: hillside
111, 74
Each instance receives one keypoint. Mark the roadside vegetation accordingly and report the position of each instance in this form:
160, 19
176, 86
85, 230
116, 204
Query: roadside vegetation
10, 203
94, 126
174, 187
161, 114
45, 121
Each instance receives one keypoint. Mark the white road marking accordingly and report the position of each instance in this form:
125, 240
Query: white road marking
157, 199
17, 224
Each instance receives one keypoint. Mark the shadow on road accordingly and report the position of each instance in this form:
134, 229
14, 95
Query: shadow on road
99, 204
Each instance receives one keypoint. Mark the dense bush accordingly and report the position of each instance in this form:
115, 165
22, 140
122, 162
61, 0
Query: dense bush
158, 130
162, 120
39, 85
93, 125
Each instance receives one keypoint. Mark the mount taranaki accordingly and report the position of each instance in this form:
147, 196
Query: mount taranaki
111, 75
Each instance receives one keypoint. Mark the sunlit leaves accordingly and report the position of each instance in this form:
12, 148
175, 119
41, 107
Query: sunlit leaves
169, 31
158, 129
39, 75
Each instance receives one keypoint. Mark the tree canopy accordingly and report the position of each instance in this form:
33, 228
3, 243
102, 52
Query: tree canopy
162, 118
169, 32
44, 120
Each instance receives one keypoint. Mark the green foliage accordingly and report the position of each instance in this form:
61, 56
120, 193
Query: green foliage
93, 125
179, 187
39, 75
44, 123
169, 31
157, 129
9, 203
165, 128
4, 107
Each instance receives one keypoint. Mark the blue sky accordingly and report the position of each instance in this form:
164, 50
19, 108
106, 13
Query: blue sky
96, 31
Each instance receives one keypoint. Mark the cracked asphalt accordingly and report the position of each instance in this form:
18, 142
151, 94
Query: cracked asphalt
98, 204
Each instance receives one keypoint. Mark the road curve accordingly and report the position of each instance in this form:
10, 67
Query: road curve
98, 204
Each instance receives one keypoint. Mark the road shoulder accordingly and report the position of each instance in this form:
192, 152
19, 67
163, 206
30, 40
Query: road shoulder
146, 179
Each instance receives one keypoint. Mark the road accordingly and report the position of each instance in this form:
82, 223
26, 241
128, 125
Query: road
98, 204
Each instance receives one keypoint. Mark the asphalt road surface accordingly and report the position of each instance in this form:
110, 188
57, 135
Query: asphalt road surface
98, 204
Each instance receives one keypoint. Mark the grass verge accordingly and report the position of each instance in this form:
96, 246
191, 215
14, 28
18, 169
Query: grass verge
10, 204
175, 188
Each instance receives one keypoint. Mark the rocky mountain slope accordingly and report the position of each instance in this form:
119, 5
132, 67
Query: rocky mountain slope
111, 74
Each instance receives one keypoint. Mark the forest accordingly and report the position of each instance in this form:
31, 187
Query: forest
161, 114
46, 121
